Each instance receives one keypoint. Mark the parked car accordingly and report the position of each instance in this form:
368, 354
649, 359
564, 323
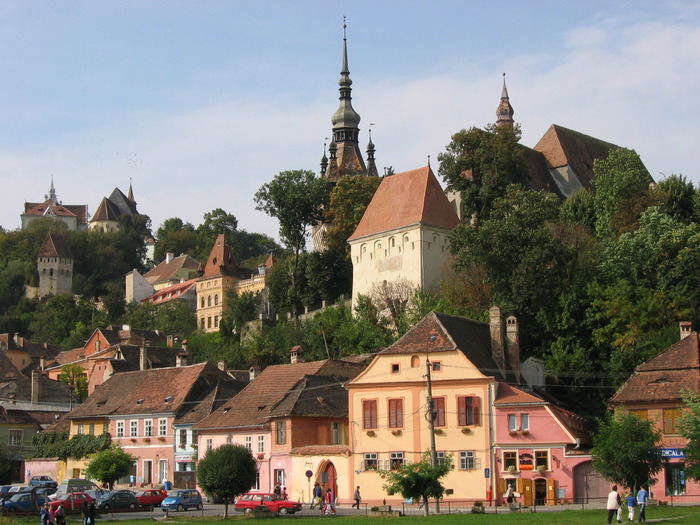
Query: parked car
151, 498
23, 502
43, 481
72, 501
19, 488
117, 499
182, 500
45, 491
247, 503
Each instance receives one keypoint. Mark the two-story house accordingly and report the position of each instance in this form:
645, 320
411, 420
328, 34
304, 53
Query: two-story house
655, 392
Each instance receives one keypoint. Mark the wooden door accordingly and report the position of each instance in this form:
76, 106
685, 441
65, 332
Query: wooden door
524, 488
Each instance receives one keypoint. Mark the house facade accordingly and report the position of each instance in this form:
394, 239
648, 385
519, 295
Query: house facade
654, 392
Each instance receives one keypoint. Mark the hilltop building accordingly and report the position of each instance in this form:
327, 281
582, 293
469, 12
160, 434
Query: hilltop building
73, 215
55, 266
172, 271
106, 218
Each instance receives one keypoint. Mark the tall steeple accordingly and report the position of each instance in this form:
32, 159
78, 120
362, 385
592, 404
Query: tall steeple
505, 112
346, 126
371, 165
51, 196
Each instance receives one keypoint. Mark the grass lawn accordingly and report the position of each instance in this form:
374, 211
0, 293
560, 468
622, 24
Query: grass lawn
671, 515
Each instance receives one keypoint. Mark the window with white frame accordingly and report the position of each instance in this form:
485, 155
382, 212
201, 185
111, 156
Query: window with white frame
261, 444
15, 438
440, 457
335, 433
542, 459
81, 429
120, 429
249, 442
229, 439
371, 461
467, 460
210, 444
148, 427
133, 428
396, 459
512, 422
256, 485
281, 432
162, 426
510, 459
524, 421
183, 437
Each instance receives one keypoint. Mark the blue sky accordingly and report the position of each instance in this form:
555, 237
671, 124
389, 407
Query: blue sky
201, 102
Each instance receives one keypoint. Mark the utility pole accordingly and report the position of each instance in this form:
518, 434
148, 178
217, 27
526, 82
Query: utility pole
431, 418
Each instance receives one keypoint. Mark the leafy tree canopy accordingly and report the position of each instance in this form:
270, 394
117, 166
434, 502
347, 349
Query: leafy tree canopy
110, 465
227, 472
419, 481
690, 430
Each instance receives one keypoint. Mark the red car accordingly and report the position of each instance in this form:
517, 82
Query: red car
151, 498
71, 501
247, 503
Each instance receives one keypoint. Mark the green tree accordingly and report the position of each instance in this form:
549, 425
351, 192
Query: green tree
227, 472
7, 466
73, 376
678, 195
481, 164
110, 465
690, 430
636, 462
176, 237
297, 199
419, 481
238, 310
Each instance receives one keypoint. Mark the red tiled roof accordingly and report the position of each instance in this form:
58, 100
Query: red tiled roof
167, 270
8, 371
165, 295
221, 260
55, 246
404, 199
508, 394
60, 210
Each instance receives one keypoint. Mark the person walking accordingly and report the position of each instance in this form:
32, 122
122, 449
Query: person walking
60, 516
509, 494
85, 511
631, 501
614, 504
45, 514
356, 496
642, 497
317, 496
330, 502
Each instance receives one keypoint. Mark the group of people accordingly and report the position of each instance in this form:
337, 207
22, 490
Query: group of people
57, 516
326, 501
614, 504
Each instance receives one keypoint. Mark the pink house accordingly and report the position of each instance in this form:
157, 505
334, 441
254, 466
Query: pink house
542, 450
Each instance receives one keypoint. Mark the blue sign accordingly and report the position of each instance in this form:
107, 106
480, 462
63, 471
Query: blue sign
487, 472
673, 453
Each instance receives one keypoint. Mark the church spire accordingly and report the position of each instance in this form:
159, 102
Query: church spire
505, 112
131, 192
346, 123
371, 165
52, 193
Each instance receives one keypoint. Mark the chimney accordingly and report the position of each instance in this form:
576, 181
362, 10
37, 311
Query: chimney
686, 328
143, 359
169, 257
253, 372
181, 360
36, 386
42, 363
222, 366
297, 354
169, 340
497, 339
513, 346
16, 338
185, 343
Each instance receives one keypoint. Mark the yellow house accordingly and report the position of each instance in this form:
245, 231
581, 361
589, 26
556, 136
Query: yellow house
388, 403
94, 426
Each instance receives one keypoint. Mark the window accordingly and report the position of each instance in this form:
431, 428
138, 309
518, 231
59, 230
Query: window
120, 429
92, 429
202, 302
396, 413
148, 427
371, 461
542, 459
439, 411
436, 366
281, 433
335, 433
202, 322
440, 457
261, 444
81, 429
216, 321
183, 436
229, 439
105, 428
467, 460
133, 428
512, 422
210, 444
415, 361
249, 442
256, 486
209, 300
510, 459
396, 459
162, 426
395, 369
279, 476
15, 438
369, 413
468, 410
642, 414
209, 322
671, 420
524, 421
216, 299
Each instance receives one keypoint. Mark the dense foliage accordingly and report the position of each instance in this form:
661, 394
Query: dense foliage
57, 445
110, 465
226, 472
690, 429
419, 481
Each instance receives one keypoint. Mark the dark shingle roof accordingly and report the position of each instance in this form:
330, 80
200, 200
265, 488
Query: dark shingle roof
55, 246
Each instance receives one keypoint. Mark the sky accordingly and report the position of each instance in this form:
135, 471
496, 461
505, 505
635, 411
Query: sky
199, 103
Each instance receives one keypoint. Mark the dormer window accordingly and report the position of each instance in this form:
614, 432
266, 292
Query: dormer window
168, 399
140, 401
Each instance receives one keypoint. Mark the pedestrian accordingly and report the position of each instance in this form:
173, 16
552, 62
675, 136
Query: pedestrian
52, 512
614, 504
284, 492
60, 516
642, 497
85, 511
91, 512
317, 496
278, 489
509, 494
45, 514
330, 502
631, 503
356, 496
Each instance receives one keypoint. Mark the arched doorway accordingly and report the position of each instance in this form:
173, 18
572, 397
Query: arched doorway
327, 477
540, 491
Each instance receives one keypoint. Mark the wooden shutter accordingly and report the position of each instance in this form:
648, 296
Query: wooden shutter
476, 407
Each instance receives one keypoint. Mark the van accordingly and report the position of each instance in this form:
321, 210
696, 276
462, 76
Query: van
68, 486
182, 499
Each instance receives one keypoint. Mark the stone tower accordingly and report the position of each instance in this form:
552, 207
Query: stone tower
55, 266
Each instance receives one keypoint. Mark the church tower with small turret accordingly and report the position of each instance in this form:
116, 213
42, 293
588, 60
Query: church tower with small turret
505, 112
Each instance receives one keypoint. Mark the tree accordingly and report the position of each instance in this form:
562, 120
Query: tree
625, 450
481, 164
419, 481
297, 199
690, 430
227, 472
176, 237
238, 310
73, 376
7, 467
110, 465
215, 223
